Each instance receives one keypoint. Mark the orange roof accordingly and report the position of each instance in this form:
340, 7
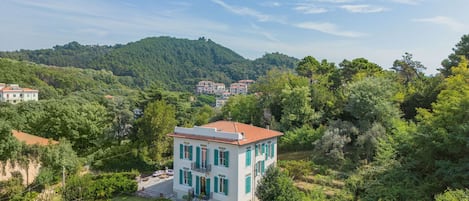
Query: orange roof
32, 139
16, 89
251, 133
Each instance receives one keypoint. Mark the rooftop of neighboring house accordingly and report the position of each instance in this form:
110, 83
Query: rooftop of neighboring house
14, 87
246, 81
32, 139
228, 132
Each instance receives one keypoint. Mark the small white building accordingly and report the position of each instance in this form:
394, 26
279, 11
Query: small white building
223, 160
209, 87
13, 93
238, 88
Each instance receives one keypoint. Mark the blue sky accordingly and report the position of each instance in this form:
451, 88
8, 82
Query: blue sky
379, 30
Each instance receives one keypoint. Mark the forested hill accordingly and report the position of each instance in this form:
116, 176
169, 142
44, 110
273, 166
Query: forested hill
177, 64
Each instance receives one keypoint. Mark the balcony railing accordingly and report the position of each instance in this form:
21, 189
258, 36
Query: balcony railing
201, 168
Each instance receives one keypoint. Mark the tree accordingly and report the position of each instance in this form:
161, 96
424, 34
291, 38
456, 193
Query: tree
296, 108
331, 147
408, 69
358, 68
59, 156
276, 186
158, 120
243, 108
460, 51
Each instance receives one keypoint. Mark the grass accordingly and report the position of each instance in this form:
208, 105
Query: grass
296, 155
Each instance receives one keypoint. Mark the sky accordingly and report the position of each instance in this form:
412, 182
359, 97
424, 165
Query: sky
378, 30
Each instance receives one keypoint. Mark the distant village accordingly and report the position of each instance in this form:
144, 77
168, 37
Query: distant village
222, 93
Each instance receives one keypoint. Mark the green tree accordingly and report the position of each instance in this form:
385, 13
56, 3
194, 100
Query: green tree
59, 156
158, 120
243, 108
276, 186
407, 68
358, 68
460, 51
453, 195
296, 108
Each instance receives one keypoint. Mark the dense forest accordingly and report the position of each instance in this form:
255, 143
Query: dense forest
177, 64
352, 131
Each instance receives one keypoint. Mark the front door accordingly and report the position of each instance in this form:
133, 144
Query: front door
202, 186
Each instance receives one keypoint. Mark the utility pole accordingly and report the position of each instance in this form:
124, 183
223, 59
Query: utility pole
63, 177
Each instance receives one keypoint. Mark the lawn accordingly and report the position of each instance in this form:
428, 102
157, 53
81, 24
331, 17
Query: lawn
297, 155
131, 198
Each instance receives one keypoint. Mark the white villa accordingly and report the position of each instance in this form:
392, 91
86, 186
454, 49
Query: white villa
13, 93
222, 160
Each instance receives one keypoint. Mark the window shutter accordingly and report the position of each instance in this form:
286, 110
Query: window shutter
207, 187
227, 158
248, 157
226, 186
197, 157
272, 149
215, 184
263, 148
181, 151
180, 176
197, 185
206, 158
190, 179
267, 151
215, 160
256, 150
262, 167
248, 184
190, 152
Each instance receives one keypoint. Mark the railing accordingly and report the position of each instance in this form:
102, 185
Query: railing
205, 169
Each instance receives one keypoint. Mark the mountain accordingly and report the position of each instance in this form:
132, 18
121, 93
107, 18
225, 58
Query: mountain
176, 64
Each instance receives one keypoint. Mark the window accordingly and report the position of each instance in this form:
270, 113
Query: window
185, 151
248, 157
221, 158
185, 177
248, 184
258, 149
260, 168
221, 185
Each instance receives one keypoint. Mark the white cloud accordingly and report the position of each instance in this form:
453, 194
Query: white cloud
409, 2
309, 8
364, 8
443, 20
271, 4
244, 11
328, 28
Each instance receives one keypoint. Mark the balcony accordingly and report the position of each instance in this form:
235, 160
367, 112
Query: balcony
201, 167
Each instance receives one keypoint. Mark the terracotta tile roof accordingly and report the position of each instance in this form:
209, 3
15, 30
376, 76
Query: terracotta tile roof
251, 133
32, 139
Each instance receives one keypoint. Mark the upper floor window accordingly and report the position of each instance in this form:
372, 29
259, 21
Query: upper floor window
221, 157
185, 151
185, 177
221, 185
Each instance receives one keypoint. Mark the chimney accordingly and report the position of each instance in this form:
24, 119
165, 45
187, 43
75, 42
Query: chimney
267, 127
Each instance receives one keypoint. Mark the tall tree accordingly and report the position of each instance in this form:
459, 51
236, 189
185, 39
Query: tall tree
407, 68
359, 68
461, 50
158, 120
297, 111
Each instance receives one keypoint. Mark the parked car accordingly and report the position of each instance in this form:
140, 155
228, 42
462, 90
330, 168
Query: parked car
158, 173
170, 172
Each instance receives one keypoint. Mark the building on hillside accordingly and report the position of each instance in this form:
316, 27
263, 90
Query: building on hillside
223, 160
247, 82
13, 93
238, 88
209, 87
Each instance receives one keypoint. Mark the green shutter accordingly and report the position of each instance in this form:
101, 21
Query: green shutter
190, 152
180, 176
226, 186
215, 183
206, 158
272, 150
267, 152
215, 160
248, 157
197, 157
262, 167
263, 148
207, 187
248, 184
197, 185
181, 151
257, 152
190, 179
227, 158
